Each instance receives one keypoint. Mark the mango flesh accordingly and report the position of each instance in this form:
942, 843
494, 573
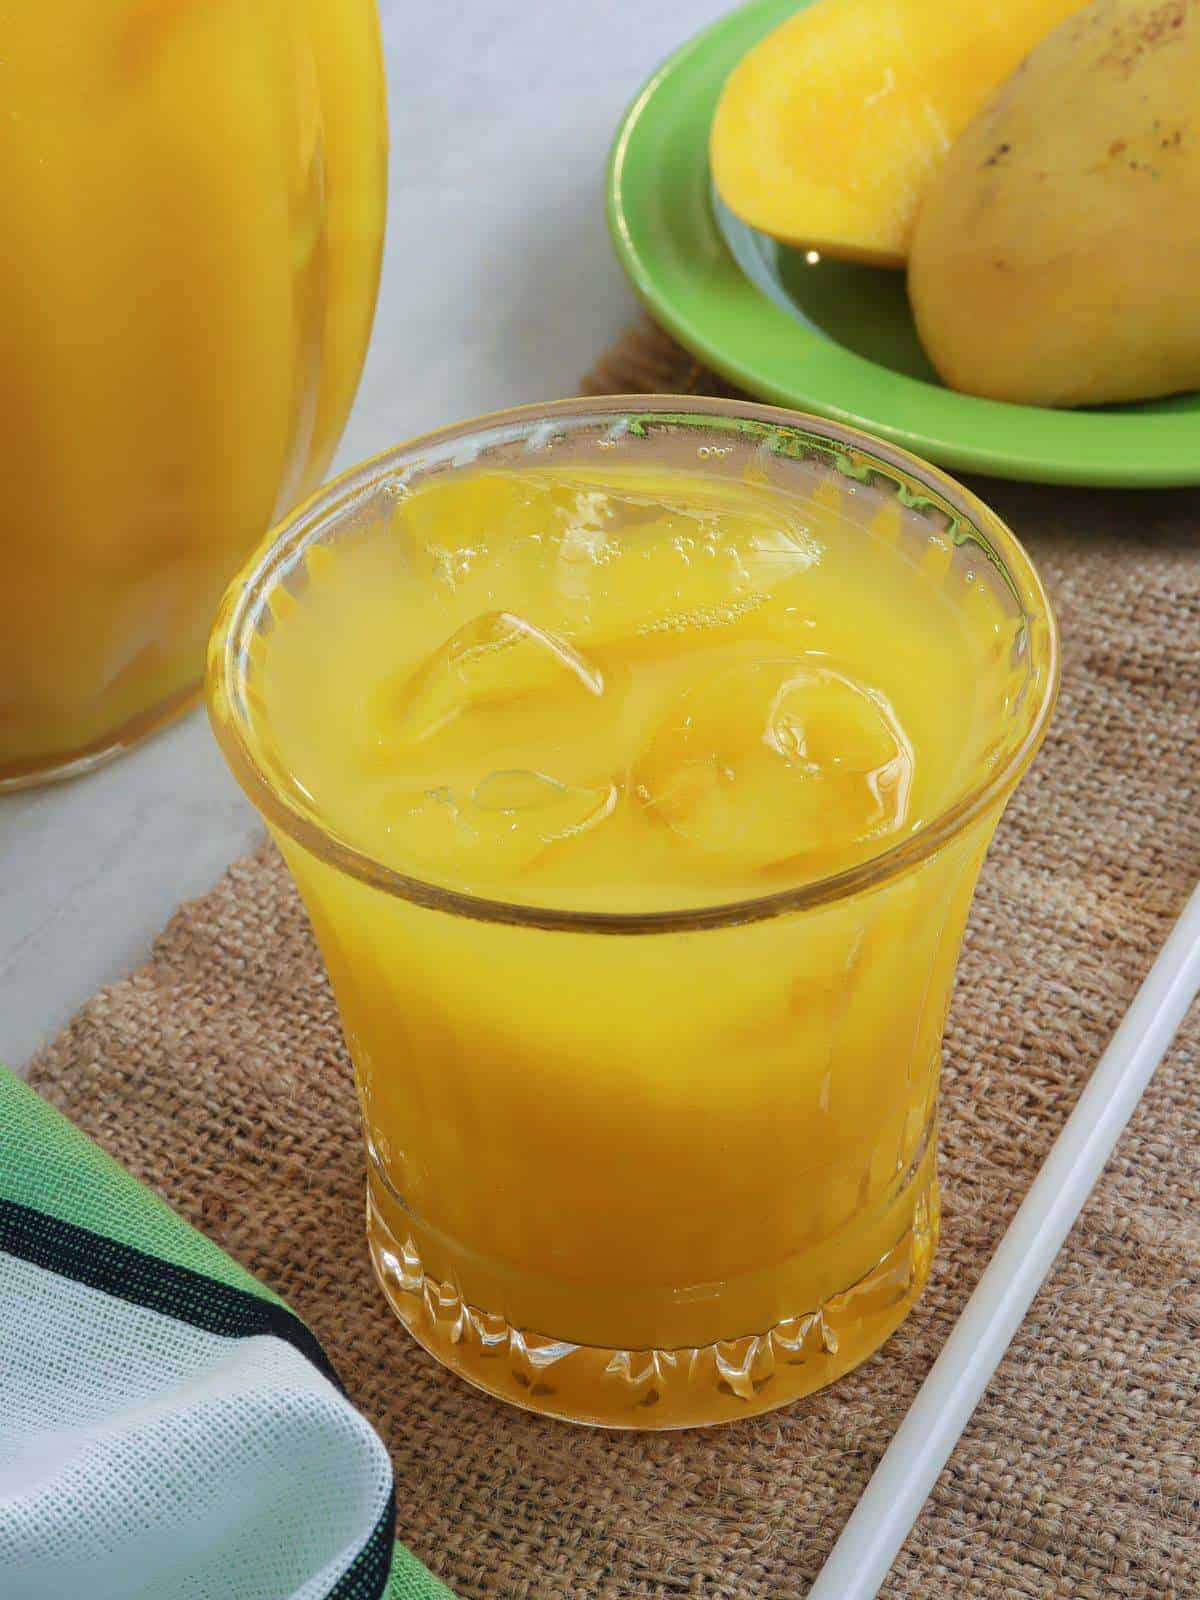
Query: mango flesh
829, 130
1056, 259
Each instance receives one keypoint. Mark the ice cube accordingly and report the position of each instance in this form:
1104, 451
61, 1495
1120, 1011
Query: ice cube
606, 558
493, 659
505, 824
773, 761
629, 568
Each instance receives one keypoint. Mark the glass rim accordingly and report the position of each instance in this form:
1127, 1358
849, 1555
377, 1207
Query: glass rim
286, 543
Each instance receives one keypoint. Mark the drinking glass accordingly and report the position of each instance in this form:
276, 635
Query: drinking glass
656, 1168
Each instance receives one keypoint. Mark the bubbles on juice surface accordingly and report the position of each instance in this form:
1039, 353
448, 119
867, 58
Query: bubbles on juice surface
492, 660
501, 826
770, 761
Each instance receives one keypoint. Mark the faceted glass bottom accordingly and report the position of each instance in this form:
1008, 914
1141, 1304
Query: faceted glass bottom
659, 1389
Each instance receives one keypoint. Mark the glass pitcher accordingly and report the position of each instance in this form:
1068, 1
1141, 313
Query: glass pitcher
194, 195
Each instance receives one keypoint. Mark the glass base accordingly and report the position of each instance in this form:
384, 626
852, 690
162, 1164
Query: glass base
658, 1389
60, 766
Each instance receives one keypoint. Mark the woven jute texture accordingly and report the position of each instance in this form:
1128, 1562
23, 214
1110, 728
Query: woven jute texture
216, 1072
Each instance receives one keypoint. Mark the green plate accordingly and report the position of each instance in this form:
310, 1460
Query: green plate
831, 337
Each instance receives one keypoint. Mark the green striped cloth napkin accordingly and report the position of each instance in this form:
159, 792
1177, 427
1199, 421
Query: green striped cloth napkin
170, 1429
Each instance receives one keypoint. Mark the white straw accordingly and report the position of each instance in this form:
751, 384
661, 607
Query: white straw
881, 1521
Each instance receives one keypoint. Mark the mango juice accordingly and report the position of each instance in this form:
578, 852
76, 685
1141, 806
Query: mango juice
646, 1037
193, 198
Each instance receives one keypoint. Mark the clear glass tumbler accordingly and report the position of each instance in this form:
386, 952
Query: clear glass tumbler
658, 1169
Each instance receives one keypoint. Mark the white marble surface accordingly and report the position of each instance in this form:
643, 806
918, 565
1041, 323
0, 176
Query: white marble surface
499, 286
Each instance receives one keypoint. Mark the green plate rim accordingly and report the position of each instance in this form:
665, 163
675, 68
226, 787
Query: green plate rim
670, 246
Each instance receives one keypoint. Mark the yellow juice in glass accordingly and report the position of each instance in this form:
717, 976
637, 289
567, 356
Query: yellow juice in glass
637, 788
193, 217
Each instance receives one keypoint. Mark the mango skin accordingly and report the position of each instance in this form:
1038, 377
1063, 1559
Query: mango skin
1056, 258
829, 129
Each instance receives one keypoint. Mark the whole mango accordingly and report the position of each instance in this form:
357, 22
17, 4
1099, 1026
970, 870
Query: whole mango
1056, 255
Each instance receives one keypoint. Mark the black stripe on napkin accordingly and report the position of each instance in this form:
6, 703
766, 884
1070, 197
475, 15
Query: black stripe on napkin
366, 1578
131, 1274
142, 1279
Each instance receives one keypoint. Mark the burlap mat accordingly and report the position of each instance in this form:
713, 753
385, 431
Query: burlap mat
216, 1072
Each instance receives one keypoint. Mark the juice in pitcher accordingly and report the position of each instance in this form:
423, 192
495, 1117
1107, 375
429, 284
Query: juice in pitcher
636, 772
193, 200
